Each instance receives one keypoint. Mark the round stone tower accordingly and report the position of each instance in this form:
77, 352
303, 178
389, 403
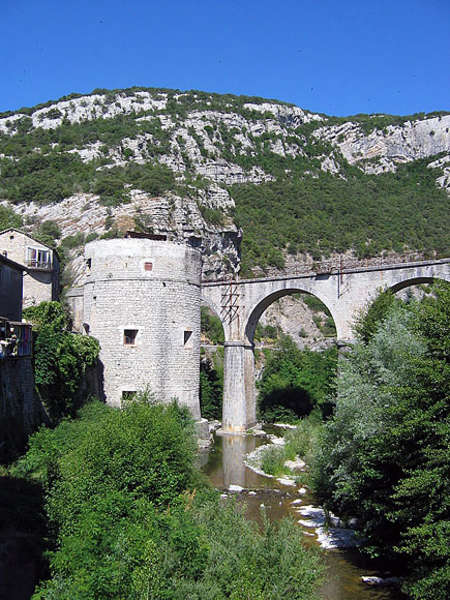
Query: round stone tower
142, 302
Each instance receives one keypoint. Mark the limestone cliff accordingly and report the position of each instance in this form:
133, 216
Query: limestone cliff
76, 161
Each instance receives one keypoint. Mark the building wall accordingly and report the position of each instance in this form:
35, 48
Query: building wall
75, 299
153, 288
21, 412
38, 285
11, 282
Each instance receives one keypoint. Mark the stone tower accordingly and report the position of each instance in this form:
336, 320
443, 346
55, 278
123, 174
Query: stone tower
142, 302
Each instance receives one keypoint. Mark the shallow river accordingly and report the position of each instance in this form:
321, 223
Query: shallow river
224, 465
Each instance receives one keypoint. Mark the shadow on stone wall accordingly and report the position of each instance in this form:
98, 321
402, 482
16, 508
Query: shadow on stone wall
21, 411
23, 531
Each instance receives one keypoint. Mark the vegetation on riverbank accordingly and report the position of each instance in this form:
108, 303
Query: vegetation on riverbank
298, 442
131, 517
296, 382
384, 457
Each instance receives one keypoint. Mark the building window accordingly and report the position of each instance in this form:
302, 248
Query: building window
128, 394
38, 258
89, 263
129, 337
187, 339
148, 266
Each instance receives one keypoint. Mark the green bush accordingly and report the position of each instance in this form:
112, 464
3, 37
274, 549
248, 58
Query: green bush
123, 526
211, 326
384, 456
8, 218
294, 382
61, 359
273, 460
211, 387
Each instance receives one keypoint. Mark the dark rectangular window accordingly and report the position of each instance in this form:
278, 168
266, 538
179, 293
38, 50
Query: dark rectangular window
129, 337
187, 339
128, 394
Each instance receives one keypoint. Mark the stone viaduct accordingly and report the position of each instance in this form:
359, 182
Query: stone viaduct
239, 305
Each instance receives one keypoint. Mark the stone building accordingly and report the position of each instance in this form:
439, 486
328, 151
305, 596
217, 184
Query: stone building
41, 279
141, 300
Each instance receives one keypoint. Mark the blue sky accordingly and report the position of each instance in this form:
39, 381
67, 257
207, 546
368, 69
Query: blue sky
337, 57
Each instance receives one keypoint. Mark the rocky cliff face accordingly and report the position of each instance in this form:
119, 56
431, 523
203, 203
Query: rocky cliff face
206, 142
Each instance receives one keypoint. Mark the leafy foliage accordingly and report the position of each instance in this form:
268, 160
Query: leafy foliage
61, 359
370, 319
322, 213
8, 218
294, 382
211, 386
384, 457
211, 326
124, 527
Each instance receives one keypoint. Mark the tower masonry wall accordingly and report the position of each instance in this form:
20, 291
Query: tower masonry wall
142, 302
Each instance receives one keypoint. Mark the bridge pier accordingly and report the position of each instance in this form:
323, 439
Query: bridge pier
239, 398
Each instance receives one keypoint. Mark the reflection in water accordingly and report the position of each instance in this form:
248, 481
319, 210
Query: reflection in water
234, 449
224, 465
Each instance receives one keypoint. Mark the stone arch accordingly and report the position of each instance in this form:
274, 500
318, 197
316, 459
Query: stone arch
258, 309
401, 285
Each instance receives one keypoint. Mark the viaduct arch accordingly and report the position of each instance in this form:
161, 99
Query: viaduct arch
240, 303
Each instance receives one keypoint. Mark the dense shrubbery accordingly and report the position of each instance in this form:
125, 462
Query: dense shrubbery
323, 213
295, 382
384, 457
211, 386
8, 218
60, 359
123, 524
211, 326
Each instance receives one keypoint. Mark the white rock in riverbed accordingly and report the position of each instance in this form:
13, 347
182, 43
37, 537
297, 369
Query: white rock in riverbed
335, 537
315, 514
295, 465
372, 580
235, 488
297, 501
285, 481
306, 523
278, 441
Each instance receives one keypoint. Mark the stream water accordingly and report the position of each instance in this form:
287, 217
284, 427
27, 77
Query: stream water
224, 464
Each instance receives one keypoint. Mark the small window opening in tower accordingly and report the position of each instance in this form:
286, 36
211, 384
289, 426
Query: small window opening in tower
89, 263
129, 337
128, 394
187, 339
